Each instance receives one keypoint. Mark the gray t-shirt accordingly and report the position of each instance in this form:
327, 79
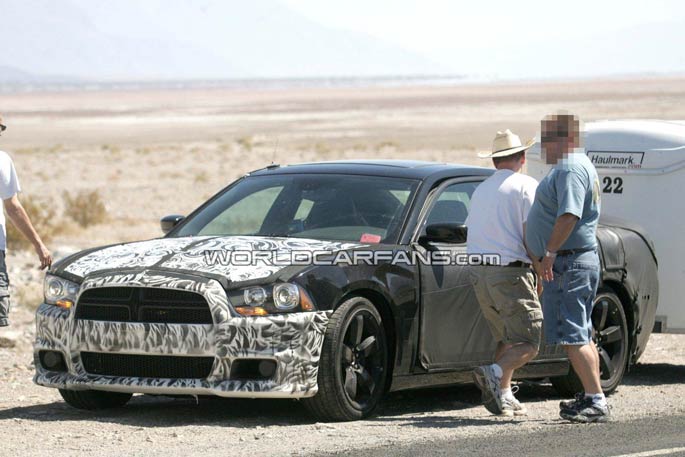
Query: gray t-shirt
572, 186
9, 186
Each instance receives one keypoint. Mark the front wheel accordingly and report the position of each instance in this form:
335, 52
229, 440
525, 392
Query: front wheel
354, 364
94, 399
610, 335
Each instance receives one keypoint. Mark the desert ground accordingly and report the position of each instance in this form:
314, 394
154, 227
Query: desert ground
146, 154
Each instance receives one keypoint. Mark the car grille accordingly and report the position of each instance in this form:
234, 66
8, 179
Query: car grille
143, 304
147, 366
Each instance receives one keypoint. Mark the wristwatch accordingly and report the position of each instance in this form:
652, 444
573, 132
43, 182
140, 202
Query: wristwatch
550, 254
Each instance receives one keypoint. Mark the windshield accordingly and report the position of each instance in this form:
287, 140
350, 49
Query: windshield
325, 206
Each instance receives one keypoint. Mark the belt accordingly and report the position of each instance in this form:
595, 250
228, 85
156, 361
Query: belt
515, 264
564, 252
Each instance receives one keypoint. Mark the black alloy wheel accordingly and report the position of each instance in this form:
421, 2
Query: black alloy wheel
354, 363
361, 358
610, 334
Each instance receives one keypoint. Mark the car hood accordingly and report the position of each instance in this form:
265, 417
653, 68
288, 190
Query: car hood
195, 254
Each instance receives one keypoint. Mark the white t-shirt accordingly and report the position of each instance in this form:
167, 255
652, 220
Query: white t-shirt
9, 186
499, 208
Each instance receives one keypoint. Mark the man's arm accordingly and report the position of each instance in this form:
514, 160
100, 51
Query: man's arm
537, 266
571, 187
560, 233
20, 219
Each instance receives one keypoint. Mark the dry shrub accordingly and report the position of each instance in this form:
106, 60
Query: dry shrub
246, 143
29, 295
201, 177
42, 216
386, 145
85, 208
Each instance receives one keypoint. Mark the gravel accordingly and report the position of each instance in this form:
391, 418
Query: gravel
35, 421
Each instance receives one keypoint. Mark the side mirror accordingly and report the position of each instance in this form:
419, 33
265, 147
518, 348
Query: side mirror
444, 233
169, 222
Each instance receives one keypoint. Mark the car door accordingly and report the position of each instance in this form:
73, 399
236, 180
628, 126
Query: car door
453, 332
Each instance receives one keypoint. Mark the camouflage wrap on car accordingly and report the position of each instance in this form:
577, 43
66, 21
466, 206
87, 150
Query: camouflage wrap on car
293, 341
190, 254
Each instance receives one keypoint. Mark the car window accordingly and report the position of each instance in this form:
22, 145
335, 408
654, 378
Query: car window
246, 216
304, 209
453, 203
401, 195
326, 206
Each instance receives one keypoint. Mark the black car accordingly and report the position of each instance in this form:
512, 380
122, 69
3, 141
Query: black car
313, 282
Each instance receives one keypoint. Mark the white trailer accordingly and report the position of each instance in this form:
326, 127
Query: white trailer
641, 167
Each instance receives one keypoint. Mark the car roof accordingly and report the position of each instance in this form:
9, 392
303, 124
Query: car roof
412, 169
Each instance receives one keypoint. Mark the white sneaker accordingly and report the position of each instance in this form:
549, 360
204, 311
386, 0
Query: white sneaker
512, 407
489, 384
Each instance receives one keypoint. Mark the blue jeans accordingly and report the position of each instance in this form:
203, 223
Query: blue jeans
567, 301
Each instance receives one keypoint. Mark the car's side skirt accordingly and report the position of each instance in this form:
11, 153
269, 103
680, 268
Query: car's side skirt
537, 369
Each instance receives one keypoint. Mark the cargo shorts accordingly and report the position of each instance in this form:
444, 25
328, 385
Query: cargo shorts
4, 292
509, 301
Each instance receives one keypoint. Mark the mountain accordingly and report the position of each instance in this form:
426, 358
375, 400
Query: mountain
179, 39
14, 75
60, 38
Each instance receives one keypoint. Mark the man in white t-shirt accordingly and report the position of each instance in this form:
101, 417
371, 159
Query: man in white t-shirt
9, 188
507, 292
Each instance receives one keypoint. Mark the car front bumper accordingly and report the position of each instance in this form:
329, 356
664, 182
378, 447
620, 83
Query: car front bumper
293, 341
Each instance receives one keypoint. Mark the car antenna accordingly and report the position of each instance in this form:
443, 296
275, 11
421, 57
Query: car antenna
273, 154
273, 158
270, 166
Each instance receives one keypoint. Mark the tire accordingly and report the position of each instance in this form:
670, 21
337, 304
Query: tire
94, 399
611, 336
354, 364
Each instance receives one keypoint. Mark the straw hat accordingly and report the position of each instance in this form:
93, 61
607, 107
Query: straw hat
505, 144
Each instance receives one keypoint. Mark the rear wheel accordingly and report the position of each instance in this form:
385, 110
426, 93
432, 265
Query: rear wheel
610, 334
94, 399
353, 365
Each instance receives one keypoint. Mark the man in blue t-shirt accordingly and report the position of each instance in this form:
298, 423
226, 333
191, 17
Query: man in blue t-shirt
561, 232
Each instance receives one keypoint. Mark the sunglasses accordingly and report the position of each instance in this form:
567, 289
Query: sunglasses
2, 128
550, 138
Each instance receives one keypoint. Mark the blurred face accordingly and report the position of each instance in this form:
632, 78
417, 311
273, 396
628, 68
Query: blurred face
557, 139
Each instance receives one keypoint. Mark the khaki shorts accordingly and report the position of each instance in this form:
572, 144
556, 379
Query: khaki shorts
509, 301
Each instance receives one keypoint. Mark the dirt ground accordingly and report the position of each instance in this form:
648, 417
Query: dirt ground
35, 421
152, 153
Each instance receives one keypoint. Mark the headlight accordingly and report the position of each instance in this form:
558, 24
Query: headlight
254, 296
59, 291
286, 296
279, 298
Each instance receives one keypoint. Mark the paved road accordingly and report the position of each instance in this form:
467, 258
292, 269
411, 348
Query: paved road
640, 438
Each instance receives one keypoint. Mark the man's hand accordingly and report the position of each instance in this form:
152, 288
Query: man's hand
560, 232
537, 268
20, 219
44, 256
546, 268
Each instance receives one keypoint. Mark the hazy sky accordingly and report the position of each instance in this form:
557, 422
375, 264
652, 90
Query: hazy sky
453, 32
217, 39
